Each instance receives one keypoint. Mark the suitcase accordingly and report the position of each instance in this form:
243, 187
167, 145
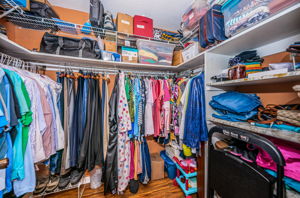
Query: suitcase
212, 27
232, 177
53, 44
142, 26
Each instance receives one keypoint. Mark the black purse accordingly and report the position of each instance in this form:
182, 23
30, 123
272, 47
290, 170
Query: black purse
53, 44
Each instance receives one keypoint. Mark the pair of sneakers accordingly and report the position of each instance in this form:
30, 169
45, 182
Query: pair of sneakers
73, 176
247, 152
108, 21
46, 182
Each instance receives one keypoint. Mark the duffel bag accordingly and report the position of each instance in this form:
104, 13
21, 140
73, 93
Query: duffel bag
54, 44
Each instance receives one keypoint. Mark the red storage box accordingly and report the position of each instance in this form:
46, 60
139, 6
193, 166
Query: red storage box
142, 26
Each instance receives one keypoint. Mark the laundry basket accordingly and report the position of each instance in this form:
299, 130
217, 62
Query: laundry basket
232, 177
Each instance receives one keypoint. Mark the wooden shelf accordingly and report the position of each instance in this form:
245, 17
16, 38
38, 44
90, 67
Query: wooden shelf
268, 79
280, 134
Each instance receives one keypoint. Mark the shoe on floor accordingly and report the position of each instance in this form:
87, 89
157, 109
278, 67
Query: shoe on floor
64, 180
76, 175
221, 145
53, 183
42, 176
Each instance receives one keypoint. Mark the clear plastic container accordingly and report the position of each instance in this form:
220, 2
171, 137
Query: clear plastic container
153, 52
192, 15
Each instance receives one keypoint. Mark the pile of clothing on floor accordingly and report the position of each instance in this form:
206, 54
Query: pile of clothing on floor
255, 155
237, 107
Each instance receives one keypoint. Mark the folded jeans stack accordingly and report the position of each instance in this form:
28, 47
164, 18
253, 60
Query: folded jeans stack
235, 106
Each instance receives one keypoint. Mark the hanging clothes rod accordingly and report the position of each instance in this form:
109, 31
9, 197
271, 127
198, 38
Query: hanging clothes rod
55, 67
13, 61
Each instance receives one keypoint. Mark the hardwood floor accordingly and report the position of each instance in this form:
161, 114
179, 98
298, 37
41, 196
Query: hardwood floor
163, 188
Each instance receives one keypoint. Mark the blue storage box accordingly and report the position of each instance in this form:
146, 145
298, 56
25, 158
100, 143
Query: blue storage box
170, 166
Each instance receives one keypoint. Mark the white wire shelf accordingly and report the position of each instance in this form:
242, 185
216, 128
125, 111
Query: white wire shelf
13, 49
39, 23
280, 134
9, 6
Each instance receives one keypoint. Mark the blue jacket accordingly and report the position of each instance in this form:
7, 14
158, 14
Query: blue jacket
195, 129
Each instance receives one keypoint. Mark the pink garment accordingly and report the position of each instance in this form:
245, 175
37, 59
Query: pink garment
166, 109
291, 154
124, 125
47, 136
157, 95
166, 88
149, 127
131, 174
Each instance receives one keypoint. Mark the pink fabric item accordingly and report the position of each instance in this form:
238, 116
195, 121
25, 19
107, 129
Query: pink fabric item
47, 136
166, 87
291, 154
131, 174
157, 95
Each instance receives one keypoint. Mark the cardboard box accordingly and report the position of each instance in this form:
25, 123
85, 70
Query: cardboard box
157, 165
129, 54
124, 23
177, 58
110, 46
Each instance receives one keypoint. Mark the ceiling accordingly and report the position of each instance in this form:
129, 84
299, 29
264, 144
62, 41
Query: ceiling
166, 14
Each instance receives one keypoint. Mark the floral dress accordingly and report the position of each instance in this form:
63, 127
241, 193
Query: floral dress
124, 125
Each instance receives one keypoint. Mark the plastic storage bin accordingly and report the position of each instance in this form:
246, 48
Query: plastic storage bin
192, 15
190, 52
170, 166
153, 52
240, 14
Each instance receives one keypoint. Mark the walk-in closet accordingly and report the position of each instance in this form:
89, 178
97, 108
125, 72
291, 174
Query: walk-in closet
137, 98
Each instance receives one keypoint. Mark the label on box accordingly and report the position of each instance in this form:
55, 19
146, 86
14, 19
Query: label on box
127, 43
191, 16
125, 22
129, 53
140, 26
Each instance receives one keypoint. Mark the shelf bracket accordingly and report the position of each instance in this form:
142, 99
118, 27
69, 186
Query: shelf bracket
8, 12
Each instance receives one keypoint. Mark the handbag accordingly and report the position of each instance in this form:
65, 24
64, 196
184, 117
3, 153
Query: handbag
54, 44
237, 72
290, 116
4, 163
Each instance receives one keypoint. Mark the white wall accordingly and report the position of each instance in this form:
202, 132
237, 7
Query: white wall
165, 13
82, 5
